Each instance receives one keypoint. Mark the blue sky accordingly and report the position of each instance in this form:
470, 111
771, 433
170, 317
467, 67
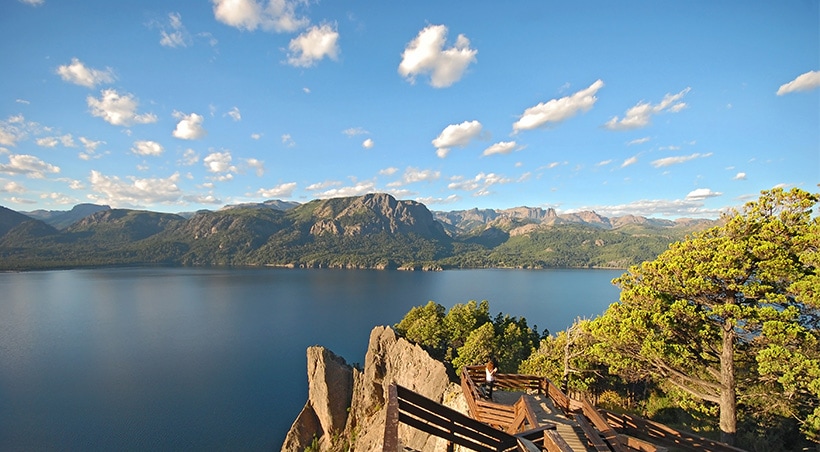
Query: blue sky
662, 109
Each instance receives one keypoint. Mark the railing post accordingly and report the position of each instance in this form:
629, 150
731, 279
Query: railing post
391, 424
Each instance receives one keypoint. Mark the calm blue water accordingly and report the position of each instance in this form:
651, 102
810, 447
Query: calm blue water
181, 358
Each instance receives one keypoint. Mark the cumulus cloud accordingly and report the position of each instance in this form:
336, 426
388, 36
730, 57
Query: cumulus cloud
502, 147
701, 194
479, 185
118, 109
49, 142
76, 72
219, 162
13, 187
669, 161
189, 127
235, 114
740, 176
33, 2
90, 147
357, 189
557, 110
655, 207
412, 175
804, 82
639, 141
456, 135
280, 191
114, 191
29, 166
368, 143
426, 55
314, 44
147, 148
275, 15
288, 141
257, 165
640, 115
389, 171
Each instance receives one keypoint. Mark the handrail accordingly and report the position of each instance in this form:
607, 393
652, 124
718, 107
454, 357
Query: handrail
413, 409
644, 428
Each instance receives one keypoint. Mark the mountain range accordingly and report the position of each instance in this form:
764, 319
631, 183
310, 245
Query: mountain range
370, 231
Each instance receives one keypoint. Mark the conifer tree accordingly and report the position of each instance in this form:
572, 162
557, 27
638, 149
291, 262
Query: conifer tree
720, 300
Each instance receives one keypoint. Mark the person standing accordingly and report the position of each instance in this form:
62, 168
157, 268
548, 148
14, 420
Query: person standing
490, 372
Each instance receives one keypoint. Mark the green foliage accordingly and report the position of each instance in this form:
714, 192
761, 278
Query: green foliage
708, 310
466, 335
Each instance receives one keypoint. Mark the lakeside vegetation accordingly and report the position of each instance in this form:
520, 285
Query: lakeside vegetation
718, 335
372, 231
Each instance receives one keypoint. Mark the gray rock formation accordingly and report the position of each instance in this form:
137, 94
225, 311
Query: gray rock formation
389, 359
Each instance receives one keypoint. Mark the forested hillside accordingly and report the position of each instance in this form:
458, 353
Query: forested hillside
371, 231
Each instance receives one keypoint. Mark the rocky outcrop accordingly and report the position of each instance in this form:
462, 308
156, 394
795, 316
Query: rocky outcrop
389, 358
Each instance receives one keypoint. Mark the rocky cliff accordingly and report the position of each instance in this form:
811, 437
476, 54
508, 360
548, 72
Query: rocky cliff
346, 406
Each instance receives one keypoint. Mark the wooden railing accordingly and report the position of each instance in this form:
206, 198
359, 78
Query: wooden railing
511, 418
407, 407
662, 434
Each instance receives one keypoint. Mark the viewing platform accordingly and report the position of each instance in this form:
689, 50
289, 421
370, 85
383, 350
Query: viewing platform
529, 413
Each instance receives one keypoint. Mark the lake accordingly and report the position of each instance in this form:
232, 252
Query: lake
202, 358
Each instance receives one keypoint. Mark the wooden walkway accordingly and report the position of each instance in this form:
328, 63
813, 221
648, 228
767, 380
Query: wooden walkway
546, 412
530, 414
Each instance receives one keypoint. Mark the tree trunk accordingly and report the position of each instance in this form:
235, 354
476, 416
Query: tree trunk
728, 402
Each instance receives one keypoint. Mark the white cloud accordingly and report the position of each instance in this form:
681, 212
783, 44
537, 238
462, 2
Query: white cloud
117, 109
235, 114
557, 110
804, 82
604, 162
479, 185
277, 15
114, 191
358, 189
90, 148
79, 74
313, 45
147, 148
639, 141
368, 143
174, 34
189, 127
456, 135
353, 131
412, 175
190, 157
49, 142
740, 176
33, 2
13, 187
427, 201
256, 136
640, 115
219, 162
28, 165
389, 171
701, 194
654, 208
280, 191
426, 55
630, 161
503, 147
257, 165
322, 185
669, 161
287, 140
